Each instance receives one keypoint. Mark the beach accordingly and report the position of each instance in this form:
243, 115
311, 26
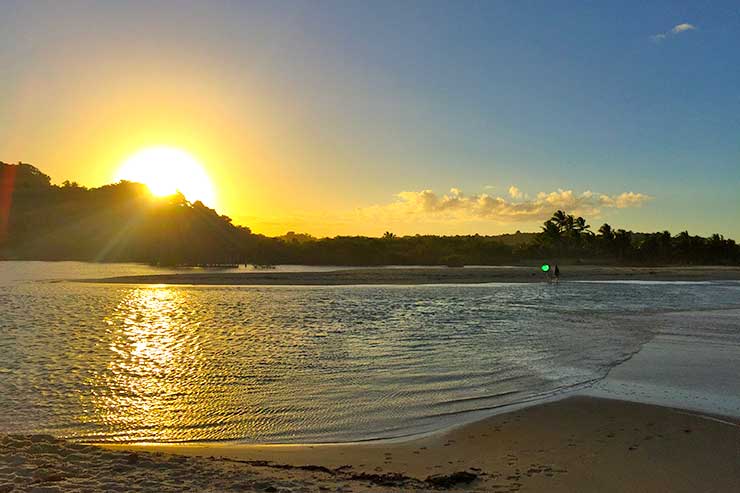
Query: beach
432, 275
575, 444
666, 417
369, 246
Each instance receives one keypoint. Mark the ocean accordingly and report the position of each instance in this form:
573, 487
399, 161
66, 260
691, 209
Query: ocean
281, 364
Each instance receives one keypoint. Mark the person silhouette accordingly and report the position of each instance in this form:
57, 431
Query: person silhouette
557, 273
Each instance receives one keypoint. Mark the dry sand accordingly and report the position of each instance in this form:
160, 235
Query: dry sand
576, 444
434, 275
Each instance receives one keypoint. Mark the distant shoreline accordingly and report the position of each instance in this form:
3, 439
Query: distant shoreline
432, 275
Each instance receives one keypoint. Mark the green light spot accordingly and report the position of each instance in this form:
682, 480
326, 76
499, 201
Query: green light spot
545, 267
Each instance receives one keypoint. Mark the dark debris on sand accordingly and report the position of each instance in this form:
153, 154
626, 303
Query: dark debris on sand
390, 479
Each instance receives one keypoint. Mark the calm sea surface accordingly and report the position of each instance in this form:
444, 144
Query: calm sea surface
105, 363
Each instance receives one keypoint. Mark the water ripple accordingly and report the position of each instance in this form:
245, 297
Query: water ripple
265, 364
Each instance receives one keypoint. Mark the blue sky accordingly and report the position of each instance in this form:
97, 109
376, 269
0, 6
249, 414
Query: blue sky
360, 101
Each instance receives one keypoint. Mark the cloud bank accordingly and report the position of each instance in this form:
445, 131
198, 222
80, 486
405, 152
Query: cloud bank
674, 31
456, 206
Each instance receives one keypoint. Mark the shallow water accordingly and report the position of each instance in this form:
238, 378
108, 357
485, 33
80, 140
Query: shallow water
104, 363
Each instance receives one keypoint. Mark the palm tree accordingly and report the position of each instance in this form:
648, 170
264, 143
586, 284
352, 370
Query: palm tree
560, 219
568, 224
580, 225
551, 235
551, 230
606, 232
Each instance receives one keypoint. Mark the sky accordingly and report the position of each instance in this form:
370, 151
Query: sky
345, 117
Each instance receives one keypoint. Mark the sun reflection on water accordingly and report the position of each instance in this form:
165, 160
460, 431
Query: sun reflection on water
177, 369
107, 363
154, 348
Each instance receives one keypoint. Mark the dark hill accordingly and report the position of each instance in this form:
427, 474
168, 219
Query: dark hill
121, 222
124, 222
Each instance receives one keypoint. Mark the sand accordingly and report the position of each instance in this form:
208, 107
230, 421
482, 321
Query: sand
677, 368
580, 443
575, 444
625, 443
434, 275
42, 464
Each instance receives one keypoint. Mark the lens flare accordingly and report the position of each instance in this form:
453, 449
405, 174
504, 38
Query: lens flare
167, 170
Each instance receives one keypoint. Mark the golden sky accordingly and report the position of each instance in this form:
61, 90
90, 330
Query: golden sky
352, 118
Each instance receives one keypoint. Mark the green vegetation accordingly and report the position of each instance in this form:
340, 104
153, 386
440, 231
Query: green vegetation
124, 222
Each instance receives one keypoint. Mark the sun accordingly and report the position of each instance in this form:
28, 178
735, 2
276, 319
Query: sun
167, 170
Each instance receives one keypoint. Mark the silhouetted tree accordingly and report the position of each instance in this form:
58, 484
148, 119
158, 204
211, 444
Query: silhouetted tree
124, 222
606, 233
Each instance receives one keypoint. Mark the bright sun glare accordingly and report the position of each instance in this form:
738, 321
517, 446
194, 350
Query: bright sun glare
166, 170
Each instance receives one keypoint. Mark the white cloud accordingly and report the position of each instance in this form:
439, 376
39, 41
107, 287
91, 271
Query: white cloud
515, 193
428, 212
674, 31
683, 27
623, 200
456, 206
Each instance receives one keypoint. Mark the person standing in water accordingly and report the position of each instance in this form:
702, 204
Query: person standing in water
557, 273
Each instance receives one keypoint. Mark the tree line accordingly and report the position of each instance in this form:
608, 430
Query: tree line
124, 222
566, 236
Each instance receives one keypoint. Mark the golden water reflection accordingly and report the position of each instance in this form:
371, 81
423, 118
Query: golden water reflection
154, 348
105, 363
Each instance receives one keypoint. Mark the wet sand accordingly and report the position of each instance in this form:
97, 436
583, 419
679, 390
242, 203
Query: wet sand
682, 366
576, 444
434, 275
580, 443
586, 442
